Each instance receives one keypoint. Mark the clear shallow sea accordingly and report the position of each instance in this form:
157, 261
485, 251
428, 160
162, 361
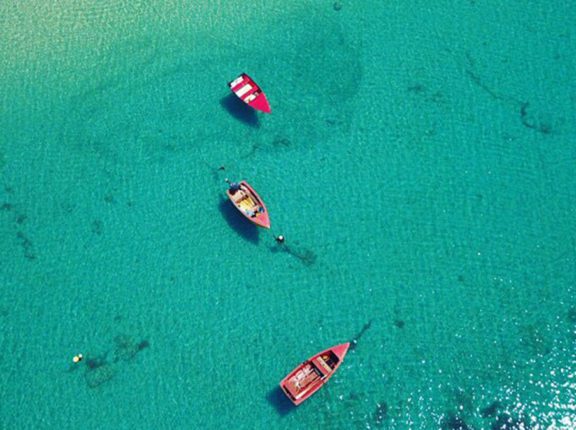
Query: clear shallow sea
420, 160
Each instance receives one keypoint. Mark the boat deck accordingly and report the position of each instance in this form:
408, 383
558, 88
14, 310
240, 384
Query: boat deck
303, 380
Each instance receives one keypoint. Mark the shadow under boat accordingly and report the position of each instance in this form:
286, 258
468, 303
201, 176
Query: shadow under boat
237, 222
280, 402
240, 110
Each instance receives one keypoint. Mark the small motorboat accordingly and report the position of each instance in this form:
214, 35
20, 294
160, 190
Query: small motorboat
250, 93
307, 378
249, 203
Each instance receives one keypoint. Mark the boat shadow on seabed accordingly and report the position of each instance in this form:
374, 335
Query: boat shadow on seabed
280, 402
240, 110
238, 223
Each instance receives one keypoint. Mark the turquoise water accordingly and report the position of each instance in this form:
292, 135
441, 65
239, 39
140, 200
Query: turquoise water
420, 160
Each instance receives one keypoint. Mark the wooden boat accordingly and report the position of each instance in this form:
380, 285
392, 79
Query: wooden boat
307, 378
249, 203
250, 93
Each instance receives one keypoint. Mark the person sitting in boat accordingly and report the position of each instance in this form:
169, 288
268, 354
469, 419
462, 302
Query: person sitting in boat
239, 196
256, 211
234, 186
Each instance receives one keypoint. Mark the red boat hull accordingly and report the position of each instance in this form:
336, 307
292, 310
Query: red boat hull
250, 93
311, 375
251, 205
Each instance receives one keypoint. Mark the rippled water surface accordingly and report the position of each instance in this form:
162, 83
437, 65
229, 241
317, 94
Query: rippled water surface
420, 160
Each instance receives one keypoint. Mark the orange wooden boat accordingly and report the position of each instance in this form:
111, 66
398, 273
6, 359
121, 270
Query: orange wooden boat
249, 203
311, 375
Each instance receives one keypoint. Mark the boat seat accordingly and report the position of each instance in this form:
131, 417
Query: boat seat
236, 81
321, 363
247, 201
312, 376
239, 196
243, 90
302, 381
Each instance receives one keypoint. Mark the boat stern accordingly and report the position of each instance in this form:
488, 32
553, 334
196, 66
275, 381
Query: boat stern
292, 396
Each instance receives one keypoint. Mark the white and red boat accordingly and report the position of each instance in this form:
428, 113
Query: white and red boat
249, 203
250, 93
311, 375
